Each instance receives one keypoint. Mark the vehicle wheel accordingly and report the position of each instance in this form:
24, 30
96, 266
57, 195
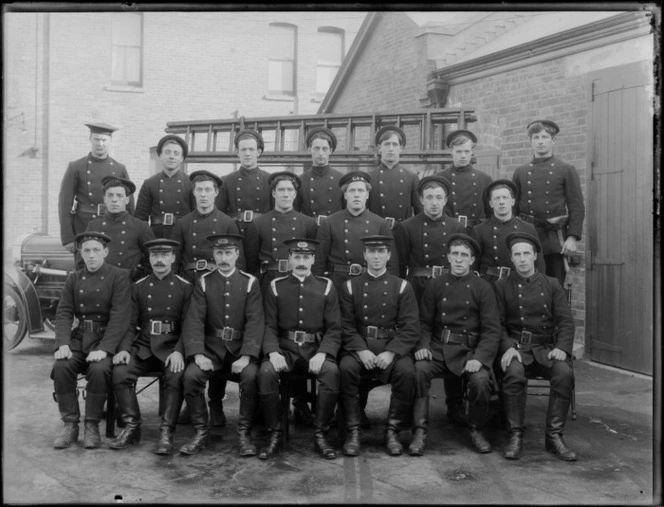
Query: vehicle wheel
49, 324
14, 318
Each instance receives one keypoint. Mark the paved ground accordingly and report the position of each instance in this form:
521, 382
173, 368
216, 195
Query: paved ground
613, 437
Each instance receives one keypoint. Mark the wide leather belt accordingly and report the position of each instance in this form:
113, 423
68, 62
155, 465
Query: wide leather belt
201, 265
89, 326
447, 336
227, 334
246, 216
164, 327
164, 219
93, 209
499, 272
468, 222
280, 265
528, 338
352, 270
320, 218
537, 222
377, 333
301, 337
433, 271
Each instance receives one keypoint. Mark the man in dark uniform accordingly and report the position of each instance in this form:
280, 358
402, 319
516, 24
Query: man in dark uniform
550, 198
223, 333
81, 198
153, 343
537, 336
460, 336
320, 195
166, 197
99, 296
394, 193
380, 328
467, 183
128, 234
245, 194
495, 260
302, 335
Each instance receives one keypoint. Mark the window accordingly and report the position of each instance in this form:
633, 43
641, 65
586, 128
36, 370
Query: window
329, 53
282, 62
127, 42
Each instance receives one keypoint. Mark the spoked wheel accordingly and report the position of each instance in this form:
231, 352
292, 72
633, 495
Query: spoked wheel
14, 318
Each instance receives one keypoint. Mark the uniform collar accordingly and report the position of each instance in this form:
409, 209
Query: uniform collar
165, 174
496, 220
116, 217
320, 170
379, 277
165, 279
229, 275
349, 214
95, 159
101, 271
383, 167
246, 171
465, 169
541, 160
305, 280
426, 217
204, 215
461, 278
529, 279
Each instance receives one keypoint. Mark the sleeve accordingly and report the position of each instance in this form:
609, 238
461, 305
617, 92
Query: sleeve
563, 318
324, 237
131, 207
475, 234
193, 329
517, 181
65, 203
188, 291
252, 245
254, 325
393, 263
415, 196
487, 347
401, 242
147, 234
351, 339
408, 323
241, 262
134, 324
118, 323
427, 316
178, 235
222, 198
331, 341
64, 315
574, 201
505, 341
271, 335
144, 203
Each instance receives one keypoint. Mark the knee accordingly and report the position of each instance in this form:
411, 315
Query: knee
480, 380
249, 373
101, 368
172, 380
268, 378
562, 378
193, 376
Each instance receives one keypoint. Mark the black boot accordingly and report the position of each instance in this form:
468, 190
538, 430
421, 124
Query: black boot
131, 415
271, 406
94, 406
480, 443
199, 419
478, 416
420, 426
556, 417
217, 416
185, 416
302, 412
515, 410
69, 411
244, 424
353, 425
172, 403
365, 423
397, 414
456, 412
324, 409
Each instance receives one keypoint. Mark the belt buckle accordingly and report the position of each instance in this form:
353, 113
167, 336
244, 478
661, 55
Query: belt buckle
463, 219
372, 332
446, 336
526, 337
101, 209
436, 271
227, 334
283, 266
169, 218
155, 327
503, 272
390, 221
355, 269
248, 215
528, 218
88, 326
201, 264
300, 336
319, 219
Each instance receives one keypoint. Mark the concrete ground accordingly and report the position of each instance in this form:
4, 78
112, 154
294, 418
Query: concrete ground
613, 436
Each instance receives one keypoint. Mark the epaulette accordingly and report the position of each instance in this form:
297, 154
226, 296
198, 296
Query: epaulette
202, 279
273, 284
251, 277
183, 279
329, 284
141, 280
404, 284
349, 285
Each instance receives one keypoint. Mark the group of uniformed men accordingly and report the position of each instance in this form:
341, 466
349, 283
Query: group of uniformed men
379, 277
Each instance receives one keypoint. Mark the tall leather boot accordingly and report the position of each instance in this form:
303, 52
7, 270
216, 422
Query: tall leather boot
71, 415
478, 415
556, 416
131, 415
185, 415
272, 413
325, 405
172, 403
420, 426
216, 393
515, 410
199, 420
397, 414
94, 406
351, 406
456, 412
365, 423
245, 422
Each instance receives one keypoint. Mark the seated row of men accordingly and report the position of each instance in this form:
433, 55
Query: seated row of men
369, 324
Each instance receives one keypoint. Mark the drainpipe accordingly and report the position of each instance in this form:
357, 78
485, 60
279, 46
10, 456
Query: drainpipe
45, 120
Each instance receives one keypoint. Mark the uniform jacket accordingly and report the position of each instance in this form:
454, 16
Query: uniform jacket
387, 302
219, 301
467, 190
550, 188
339, 237
491, 234
192, 232
82, 181
536, 304
161, 194
394, 192
103, 296
154, 299
320, 193
460, 304
128, 234
311, 306
245, 189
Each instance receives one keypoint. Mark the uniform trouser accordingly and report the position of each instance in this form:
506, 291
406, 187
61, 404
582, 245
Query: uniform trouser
97, 374
559, 374
555, 267
328, 376
400, 374
479, 387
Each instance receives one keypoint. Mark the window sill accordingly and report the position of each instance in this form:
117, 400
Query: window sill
128, 89
281, 98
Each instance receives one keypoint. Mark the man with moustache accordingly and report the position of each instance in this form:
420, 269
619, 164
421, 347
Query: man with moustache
99, 297
153, 344
223, 332
166, 197
302, 334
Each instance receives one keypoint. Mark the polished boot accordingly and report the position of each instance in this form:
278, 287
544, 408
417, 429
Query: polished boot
217, 416
199, 419
480, 443
94, 407
397, 414
69, 411
271, 406
351, 406
244, 424
556, 416
325, 405
172, 403
420, 426
131, 415
515, 410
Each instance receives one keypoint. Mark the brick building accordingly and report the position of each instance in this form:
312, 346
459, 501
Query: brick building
591, 72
